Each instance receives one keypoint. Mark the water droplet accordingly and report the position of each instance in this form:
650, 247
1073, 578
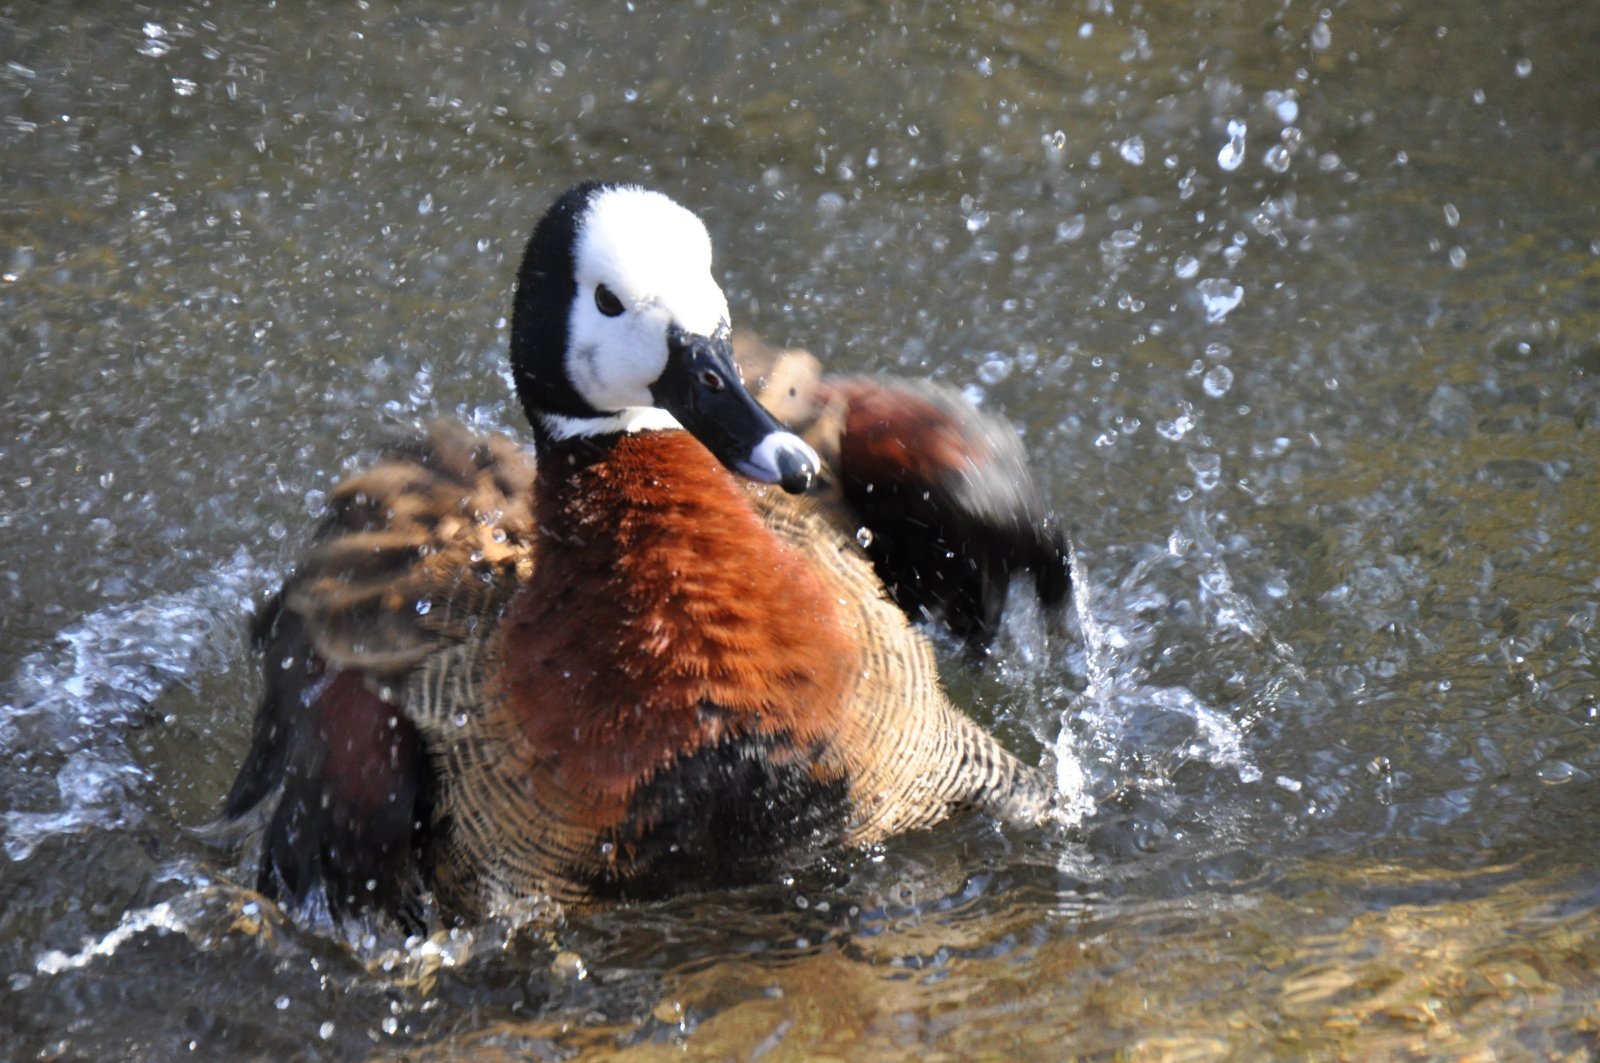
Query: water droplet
1557, 772
995, 368
569, 965
425, 206
1132, 150
1452, 216
1283, 104
1524, 67
1232, 153
424, 607
282, 1003
1458, 256
1207, 469
1186, 266
1073, 228
1217, 381
1278, 158
155, 43
1321, 36
184, 86
977, 220
1123, 240
1219, 296
864, 536
325, 1031
1176, 428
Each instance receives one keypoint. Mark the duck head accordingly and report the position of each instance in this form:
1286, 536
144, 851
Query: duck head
618, 326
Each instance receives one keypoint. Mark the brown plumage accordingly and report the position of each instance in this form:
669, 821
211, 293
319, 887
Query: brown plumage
634, 674
944, 489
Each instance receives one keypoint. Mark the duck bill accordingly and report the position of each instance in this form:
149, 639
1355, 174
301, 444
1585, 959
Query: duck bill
701, 388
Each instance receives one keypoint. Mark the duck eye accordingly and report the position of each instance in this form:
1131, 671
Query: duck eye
606, 301
711, 379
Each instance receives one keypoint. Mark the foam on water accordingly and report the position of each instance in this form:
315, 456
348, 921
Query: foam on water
70, 704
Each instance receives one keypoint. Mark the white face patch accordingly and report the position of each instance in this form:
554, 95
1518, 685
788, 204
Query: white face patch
655, 257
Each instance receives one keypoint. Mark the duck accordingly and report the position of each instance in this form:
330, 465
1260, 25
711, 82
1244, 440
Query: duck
685, 642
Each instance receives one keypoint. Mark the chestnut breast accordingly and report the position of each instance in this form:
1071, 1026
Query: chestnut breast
663, 698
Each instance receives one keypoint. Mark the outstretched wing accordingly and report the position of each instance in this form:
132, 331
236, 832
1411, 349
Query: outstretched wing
943, 488
413, 554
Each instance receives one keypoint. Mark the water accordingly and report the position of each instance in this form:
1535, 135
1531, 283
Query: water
1298, 318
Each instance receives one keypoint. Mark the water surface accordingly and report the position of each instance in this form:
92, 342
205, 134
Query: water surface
1298, 310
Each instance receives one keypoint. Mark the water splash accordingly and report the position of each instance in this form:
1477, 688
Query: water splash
1105, 725
177, 916
70, 704
1030, 669
1097, 641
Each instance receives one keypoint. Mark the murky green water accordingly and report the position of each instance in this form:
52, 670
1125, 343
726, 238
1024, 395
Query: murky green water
1298, 308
